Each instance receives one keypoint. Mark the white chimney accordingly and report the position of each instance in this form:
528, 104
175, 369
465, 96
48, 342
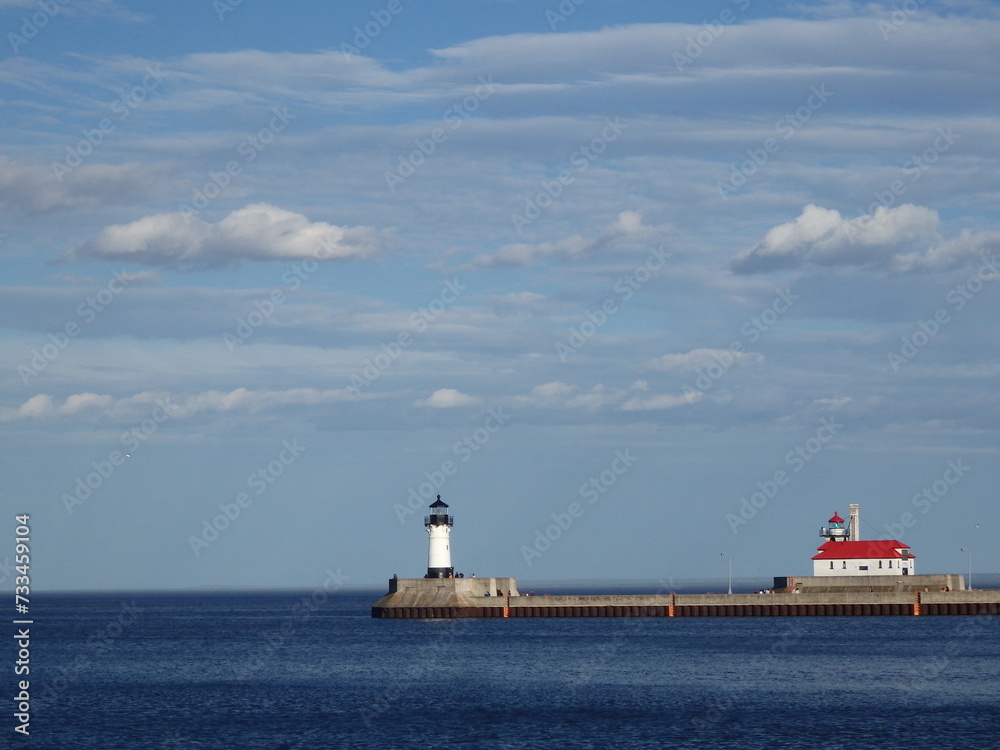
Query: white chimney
854, 521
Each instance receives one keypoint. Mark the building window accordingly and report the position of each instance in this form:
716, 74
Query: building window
890, 563
845, 565
880, 565
862, 567
831, 564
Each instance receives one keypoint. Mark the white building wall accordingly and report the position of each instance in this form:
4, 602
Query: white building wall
863, 567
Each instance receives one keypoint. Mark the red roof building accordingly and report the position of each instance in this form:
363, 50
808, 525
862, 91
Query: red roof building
839, 556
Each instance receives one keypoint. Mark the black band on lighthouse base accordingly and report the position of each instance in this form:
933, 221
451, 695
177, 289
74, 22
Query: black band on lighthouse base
440, 573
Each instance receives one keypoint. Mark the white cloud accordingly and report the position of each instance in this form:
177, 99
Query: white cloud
517, 303
661, 401
245, 400
547, 394
967, 246
259, 232
43, 406
597, 397
559, 395
900, 239
177, 406
627, 225
834, 403
141, 278
448, 398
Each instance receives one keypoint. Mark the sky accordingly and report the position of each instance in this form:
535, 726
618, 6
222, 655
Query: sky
634, 286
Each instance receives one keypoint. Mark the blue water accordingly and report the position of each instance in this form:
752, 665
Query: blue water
230, 670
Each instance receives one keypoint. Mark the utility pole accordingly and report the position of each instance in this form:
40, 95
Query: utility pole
723, 554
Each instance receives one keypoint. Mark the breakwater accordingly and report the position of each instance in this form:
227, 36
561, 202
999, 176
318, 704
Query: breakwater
465, 598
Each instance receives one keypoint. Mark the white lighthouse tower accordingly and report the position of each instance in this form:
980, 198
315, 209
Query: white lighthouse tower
438, 525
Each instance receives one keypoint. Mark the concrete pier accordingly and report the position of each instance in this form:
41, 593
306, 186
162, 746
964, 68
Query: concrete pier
875, 584
465, 598
459, 597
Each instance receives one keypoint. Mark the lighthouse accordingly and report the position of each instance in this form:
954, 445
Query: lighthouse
844, 553
438, 525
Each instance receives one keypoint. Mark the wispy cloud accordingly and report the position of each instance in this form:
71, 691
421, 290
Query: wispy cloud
94, 8
560, 395
660, 401
700, 358
627, 225
448, 398
27, 187
104, 407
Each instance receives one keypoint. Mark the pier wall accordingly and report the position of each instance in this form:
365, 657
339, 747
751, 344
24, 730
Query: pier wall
880, 584
455, 598
445, 592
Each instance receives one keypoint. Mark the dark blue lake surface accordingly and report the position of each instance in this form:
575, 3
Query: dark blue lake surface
245, 670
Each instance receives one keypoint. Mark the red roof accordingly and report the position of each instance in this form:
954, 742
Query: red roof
884, 549
836, 518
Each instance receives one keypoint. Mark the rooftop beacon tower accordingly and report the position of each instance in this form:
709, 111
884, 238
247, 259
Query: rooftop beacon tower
438, 525
835, 532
